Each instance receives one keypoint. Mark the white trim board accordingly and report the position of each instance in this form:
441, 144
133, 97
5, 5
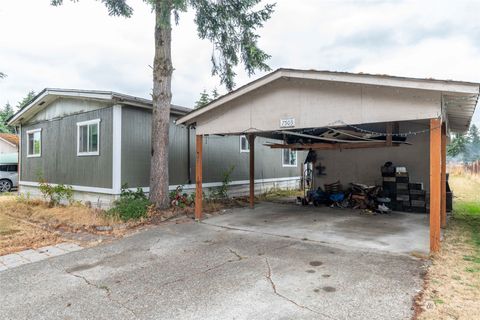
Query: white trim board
117, 149
28, 143
218, 184
171, 188
88, 123
75, 188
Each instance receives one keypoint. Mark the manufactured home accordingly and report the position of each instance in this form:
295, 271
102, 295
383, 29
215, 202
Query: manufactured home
98, 141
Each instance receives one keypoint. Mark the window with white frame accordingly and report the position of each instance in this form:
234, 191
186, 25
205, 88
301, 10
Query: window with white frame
289, 158
34, 143
244, 146
88, 138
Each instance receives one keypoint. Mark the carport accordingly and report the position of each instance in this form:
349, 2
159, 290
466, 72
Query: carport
409, 119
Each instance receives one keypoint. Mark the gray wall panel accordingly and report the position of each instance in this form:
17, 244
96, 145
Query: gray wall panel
59, 162
219, 154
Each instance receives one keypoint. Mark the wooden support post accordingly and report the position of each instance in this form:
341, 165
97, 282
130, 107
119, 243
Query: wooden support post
389, 132
251, 144
435, 182
198, 177
443, 179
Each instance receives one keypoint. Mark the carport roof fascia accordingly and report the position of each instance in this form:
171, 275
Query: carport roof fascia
444, 86
35, 105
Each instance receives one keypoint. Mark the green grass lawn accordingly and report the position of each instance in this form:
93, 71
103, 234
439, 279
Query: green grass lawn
452, 289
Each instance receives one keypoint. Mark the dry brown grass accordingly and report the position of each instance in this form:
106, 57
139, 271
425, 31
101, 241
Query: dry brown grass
452, 288
36, 211
16, 235
26, 224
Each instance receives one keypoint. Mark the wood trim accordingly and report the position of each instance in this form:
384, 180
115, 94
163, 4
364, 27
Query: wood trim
435, 183
251, 144
443, 215
389, 132
198, 177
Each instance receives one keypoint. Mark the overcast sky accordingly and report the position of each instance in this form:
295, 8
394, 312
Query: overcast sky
79, 46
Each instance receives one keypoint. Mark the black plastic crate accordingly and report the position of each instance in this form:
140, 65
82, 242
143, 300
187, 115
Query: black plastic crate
415, 186
418, 203
418, 197
401, 186
402, 179
418, 192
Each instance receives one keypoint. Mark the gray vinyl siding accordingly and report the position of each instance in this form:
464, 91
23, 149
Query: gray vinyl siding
136, 138
59, 162
219, 153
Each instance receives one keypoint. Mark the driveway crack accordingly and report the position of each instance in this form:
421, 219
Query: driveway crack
275, 291
103, 288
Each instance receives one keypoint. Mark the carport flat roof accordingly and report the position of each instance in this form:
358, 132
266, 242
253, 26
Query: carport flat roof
458, 97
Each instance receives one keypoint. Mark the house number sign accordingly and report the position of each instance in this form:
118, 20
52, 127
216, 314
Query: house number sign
287, 123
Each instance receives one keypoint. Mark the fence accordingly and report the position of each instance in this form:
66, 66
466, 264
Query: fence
471, 168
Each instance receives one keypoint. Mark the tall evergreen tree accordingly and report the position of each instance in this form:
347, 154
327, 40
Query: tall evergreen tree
231, 26
203, 100
457, 146
29, 97
5, 114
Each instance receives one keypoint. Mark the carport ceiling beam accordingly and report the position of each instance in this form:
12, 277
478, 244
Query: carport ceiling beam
332, 146
309, 136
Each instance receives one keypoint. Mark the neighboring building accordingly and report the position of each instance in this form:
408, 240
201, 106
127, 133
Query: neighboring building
98, 141
8, 143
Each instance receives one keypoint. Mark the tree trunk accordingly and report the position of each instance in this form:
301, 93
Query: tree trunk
162, 97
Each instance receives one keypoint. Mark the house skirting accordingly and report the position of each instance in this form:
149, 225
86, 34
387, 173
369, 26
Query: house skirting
103, 198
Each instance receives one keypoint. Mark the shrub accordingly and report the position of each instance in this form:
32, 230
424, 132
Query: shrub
54, 194
221, 192
181, 199
131, 205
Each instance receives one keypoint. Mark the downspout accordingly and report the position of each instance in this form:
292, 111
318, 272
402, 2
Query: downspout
189, 167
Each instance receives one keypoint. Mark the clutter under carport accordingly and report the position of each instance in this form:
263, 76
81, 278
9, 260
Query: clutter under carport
397, 192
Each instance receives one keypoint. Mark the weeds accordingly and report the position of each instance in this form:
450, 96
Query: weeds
55, 194
221, 192
132, 205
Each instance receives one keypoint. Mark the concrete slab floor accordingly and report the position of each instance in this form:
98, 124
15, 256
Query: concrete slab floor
396, 232
199, 271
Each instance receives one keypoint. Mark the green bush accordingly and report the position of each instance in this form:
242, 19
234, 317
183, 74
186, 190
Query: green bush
54, 194
131, 205
221, 192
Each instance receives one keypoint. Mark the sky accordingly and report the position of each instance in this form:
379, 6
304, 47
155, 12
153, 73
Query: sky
79, 46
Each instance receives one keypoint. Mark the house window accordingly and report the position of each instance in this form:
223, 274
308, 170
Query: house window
244, 146
34, 143
88, 138
289, 158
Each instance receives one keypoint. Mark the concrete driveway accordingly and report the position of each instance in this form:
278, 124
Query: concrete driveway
201, 271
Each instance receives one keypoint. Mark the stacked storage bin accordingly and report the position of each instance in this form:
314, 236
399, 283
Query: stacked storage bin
402, 198
388, 176
417, 197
